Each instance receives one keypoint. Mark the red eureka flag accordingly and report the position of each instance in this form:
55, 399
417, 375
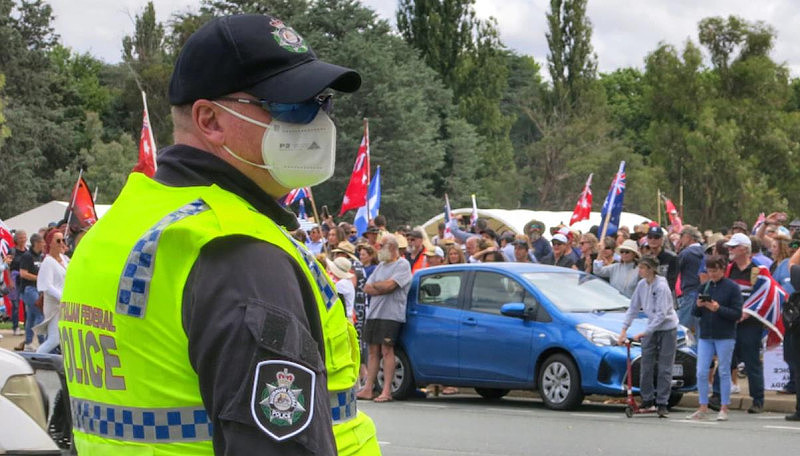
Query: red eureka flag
674, 218
356, 194
584, 206
81, 213
147, 146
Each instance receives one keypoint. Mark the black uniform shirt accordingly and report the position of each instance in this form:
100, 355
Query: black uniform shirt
246, 302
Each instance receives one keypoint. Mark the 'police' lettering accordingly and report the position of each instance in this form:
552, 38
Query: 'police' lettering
93, 359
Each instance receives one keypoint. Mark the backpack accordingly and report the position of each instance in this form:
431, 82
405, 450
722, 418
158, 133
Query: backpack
791, 312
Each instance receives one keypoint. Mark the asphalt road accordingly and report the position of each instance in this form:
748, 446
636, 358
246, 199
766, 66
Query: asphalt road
471, 426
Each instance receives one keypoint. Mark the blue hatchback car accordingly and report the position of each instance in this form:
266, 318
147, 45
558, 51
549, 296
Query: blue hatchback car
502, 326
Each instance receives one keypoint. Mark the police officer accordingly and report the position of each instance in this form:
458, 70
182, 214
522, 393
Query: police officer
192, 322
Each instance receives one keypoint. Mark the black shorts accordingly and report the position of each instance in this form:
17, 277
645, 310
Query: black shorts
382, 332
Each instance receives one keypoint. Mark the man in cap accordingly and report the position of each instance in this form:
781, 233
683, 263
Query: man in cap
416, 250
687, 286
667, 260
435, 257
198, 260
739, 227
561, 254
749, 332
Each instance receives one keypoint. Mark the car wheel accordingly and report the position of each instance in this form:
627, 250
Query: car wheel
674, 399
403, 380
560, 383
492, 393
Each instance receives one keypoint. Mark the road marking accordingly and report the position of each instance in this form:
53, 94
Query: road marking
512, 411
778, 417
783, 427
596, 415
384, 443
427, 405
712, 423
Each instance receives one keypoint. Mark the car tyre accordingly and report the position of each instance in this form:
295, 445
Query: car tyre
492, 394
560, 383
403, 384
674, 399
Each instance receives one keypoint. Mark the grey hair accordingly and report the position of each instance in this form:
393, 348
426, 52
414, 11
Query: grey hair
390, 240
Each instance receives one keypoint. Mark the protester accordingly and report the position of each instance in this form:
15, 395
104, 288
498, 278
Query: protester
455, 255
659, 339
435, 257
624, 275
367, 257
561, 254
758, 257
315, 242
794, 337
388, 288
416, 250
588, 246
719, 308
335, 236
690, 260
15, 295
667, 260
29, 266
783, 251
522, 251
50, 282
541, 246
340, 269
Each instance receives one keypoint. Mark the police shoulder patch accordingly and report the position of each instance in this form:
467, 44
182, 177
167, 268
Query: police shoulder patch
282, 402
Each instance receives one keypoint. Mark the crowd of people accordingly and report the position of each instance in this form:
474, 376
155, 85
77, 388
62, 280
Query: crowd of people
702, 278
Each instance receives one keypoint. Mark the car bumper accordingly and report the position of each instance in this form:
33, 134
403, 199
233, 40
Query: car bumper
609, 377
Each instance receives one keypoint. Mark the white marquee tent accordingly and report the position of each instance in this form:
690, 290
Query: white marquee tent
514, 220
39, 217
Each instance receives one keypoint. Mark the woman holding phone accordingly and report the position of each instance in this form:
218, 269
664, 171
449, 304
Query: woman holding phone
719, 307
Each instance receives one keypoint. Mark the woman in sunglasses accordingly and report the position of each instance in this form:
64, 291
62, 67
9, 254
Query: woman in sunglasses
50, 281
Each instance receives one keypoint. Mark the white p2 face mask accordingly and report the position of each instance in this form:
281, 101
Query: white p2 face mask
296, 155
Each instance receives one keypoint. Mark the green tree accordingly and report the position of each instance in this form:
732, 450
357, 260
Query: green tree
571, 62
4, 131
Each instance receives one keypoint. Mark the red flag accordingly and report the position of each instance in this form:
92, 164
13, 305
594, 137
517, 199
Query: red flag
147, 146
674, 219
356, 194
6, 243
81, 213
583, 207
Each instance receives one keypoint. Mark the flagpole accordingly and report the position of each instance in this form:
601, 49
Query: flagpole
610, 206
314, 207
658, 205
94, 198
369, 174
74, 195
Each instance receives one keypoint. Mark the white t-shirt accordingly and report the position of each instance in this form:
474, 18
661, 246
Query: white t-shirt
345, 288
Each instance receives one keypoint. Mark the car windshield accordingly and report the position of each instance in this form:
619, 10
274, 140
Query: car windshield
576, 292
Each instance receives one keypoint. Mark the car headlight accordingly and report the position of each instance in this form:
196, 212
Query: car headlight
597, 335
688, 336
23, 391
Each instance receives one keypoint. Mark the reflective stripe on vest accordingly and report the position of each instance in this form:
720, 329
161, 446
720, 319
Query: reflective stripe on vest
343, 405
325, 288
134, 285
159, 425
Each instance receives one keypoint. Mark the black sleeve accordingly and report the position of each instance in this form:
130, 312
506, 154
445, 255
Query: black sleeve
732, 310
794, 276
246, 302
672, 272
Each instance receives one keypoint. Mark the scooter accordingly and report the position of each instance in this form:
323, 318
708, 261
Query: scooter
632, 407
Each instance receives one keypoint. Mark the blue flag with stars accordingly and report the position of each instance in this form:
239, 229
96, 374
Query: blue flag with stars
612, 206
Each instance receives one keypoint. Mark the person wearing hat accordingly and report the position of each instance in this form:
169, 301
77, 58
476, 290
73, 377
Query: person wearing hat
667, 260
340, 269
687, 285
624, 274
253, 352
434, 257
659, 339
739, 227
540, 245
372, 235
522, 251
416, 250
561, 254
749, 331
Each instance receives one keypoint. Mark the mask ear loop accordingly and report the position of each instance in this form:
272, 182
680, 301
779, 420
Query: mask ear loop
246, 119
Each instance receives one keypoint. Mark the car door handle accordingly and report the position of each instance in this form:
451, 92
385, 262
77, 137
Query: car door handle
413, 312
470, 322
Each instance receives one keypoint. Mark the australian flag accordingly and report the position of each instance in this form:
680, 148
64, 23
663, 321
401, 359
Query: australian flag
612, 207
361, 221
765, 304
294, 195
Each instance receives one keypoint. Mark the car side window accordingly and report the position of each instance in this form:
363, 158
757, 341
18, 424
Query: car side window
490, 291
440, 289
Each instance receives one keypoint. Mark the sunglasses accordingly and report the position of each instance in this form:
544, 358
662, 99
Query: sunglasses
59, 241
296, 113
354, 232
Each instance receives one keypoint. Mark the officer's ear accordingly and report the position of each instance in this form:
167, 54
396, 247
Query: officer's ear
206, 118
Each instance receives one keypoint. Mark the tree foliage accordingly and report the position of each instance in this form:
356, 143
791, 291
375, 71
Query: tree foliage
451, 110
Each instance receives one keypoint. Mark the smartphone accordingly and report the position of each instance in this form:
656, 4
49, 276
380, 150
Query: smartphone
325, 213
705, 297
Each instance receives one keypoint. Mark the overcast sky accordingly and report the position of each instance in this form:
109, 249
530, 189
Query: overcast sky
624, 30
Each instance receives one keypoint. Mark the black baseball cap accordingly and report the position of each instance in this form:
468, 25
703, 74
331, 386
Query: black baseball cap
655, 232
256, 54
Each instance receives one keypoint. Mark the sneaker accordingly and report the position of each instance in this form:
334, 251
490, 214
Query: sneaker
17, 332
714, 402
793, 417
698, 416
756, 408
648, 405
722, 415
29, 348
663, 411
735, 389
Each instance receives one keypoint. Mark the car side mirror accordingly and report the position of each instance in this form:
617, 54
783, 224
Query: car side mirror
515, 309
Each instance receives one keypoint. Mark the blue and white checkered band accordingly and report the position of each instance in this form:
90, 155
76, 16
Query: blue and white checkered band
134, 285
325, 288
343, 405
132, 424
